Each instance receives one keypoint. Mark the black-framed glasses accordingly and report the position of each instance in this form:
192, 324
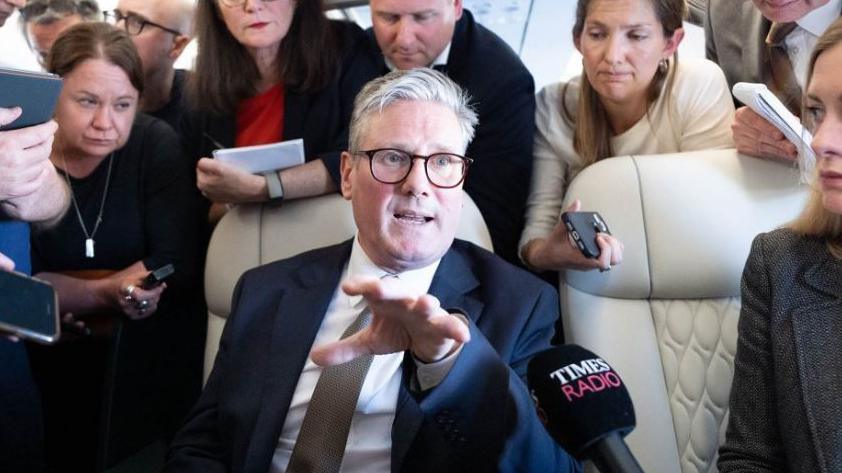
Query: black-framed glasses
237, 3
391, 166
134, 24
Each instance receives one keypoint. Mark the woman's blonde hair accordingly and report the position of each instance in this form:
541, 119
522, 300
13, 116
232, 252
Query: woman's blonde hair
815, 220
591, 132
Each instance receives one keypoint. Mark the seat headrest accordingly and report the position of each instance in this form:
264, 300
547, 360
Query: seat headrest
686, 219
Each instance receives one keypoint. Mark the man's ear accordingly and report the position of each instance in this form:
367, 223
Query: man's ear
673, 42
457, 6
179, 42
346, 168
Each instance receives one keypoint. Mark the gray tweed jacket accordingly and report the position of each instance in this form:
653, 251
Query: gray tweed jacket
735, 35
786, 398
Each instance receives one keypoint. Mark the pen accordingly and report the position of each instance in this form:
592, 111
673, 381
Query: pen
213, 141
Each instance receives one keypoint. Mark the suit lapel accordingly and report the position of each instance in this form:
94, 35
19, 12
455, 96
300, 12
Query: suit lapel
452, 284
297, 320
817, 326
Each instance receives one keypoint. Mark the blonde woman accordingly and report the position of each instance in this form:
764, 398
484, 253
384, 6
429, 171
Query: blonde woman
785, 408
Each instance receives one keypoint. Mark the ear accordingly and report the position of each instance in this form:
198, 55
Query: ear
178, 44
457, 7
673, 42
346, 168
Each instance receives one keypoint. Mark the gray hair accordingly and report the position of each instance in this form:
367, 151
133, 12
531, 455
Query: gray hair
46, 12
420, 84
49, 11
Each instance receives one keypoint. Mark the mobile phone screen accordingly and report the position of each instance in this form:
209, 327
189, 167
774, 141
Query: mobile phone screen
28, 308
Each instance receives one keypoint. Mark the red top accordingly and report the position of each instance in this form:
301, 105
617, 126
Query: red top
260, 119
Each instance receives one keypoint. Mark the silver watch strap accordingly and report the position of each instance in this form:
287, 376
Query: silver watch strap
273, 184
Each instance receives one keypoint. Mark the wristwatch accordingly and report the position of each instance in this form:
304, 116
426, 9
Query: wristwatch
273, 184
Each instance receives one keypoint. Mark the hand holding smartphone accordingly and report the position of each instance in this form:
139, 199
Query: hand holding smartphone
157, 276
583, 227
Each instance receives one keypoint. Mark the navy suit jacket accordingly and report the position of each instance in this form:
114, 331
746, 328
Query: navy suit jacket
480, 418
503, 94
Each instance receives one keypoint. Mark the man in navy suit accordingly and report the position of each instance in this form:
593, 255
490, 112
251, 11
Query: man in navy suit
452, 330
441, 34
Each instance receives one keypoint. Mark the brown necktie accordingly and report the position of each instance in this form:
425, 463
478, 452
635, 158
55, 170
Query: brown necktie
784, 84
324, 431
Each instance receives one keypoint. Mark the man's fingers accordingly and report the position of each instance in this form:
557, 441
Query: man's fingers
574, 206
8, 115
374, 289
33, 136
341, 351
6, 263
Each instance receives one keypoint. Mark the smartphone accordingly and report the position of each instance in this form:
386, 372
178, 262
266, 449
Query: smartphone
35, 93
28, 308
157, 276
583, 227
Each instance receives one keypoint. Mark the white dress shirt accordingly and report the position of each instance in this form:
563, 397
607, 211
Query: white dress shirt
802, 40
369, 444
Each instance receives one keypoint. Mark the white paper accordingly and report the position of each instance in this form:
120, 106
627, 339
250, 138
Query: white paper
760, 99
263, 158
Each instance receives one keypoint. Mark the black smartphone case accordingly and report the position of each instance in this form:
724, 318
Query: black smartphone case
583, 227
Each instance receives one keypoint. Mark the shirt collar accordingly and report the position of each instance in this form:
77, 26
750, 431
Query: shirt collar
360, 264
441, 60
818, 20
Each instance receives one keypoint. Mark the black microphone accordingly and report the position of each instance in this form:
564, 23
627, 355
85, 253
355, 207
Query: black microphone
584, 405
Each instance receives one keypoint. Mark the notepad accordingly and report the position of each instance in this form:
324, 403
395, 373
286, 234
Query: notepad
760, 99
35, 93
260, 159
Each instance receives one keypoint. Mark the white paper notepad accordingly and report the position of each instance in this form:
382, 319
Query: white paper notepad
263, 158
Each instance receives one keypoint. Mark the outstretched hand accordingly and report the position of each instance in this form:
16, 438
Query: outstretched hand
400, 320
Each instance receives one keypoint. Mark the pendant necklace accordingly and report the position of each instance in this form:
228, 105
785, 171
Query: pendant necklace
89, 238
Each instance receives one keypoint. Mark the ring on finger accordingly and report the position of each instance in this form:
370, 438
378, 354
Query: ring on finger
142, 305
129, 290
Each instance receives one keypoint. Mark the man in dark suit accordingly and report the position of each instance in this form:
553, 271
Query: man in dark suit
442, 35
452, 327
736, 34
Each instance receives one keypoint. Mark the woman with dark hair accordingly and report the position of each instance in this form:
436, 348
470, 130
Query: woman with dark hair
131, 212
634, 97
266, 71
785, 409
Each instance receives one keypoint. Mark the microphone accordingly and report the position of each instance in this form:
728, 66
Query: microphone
584, 405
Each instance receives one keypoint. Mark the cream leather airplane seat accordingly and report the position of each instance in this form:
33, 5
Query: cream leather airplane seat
666, 318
